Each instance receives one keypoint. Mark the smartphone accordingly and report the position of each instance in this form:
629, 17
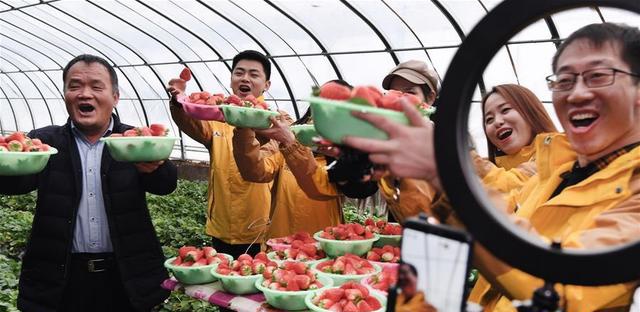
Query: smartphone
435, 264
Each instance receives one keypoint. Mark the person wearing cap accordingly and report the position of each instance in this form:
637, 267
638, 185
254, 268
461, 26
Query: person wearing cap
408, 197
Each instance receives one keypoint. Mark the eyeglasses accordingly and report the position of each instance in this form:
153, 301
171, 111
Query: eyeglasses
593, 78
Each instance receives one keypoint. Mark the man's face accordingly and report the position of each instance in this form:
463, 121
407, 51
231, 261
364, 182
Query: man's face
89, 97
248, 77
597, 121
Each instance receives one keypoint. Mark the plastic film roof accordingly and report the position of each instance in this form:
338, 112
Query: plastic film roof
308, 42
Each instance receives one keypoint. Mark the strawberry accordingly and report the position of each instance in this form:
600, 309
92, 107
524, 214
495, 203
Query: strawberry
182, 252
143, 131
363, 95
349, 307
334, 91
185, 74
16, 136
15, 146
333, 294
158, 130
177, 261
261, 256
387, 256
234, 100
373, 256
326, 303
246, 270
373, 303
258, 267
193, 255
363, 306
245, 256
353, 294
2, 140
130, 133
200, 262
209, 251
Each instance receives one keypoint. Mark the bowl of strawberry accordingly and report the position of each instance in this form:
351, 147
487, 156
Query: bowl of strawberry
239, 276
347, 297
202, 105
387, 256
282, 243
287, 286
21, 155
141, 144
390, 232
350, 238
347, 268
382, 281
247, 113
193, 265
333, 104
298, 251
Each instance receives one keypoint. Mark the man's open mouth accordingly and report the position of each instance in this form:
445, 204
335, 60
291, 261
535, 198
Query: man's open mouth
86, 108
583, 119
244, 89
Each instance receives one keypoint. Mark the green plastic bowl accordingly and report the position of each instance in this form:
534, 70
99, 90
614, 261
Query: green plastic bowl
393, 240
193, 275
335, 248
339, 279
333, 120
239, 285
247, 117
24, 163
305, 134
290, 300
313, 307
140, 148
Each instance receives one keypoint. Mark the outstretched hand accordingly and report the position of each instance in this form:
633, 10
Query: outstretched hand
176, 87
279, 130
408, 153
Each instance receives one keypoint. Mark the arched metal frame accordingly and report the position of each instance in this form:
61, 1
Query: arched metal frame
486, 223
166, 18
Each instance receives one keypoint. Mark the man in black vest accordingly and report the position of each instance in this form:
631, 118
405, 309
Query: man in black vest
92, 245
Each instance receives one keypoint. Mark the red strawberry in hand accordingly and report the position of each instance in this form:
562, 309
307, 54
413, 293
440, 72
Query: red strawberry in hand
185, 74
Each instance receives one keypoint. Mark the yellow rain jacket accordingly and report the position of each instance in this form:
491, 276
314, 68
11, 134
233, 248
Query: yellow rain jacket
415, 197
417, 303
233, 203
603, 210
291, 209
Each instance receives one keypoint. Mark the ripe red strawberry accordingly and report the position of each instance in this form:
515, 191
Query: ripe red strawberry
243, 257
209, 251
143, 131
363, 306
158, 130
261, 256
177, 261
200, 262
373, 256
184, 250
193, 255
373, 302
130, 133
364, 95
2, 140
335, 91
185, 74
303, 281
234, 100
16, 136
349, 307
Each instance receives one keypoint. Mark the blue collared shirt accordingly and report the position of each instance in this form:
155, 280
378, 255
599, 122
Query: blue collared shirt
91, 232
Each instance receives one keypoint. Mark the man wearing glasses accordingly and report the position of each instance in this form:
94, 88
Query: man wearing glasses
591, 201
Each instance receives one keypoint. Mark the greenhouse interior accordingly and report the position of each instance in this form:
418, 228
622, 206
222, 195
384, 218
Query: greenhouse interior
319, 155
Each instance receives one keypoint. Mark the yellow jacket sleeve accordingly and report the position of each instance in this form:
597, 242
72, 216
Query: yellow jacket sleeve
501, 179
415, 197
311, 176
256, 163
198, 130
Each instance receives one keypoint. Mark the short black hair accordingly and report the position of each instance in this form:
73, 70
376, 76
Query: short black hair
253, 56
627, 37
89, 59
411, 268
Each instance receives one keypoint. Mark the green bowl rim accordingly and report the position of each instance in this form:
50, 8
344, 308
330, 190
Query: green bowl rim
353, 106
170, 266
250, 109
298, 292
377, 269
52, 151
345, 242
233, 277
